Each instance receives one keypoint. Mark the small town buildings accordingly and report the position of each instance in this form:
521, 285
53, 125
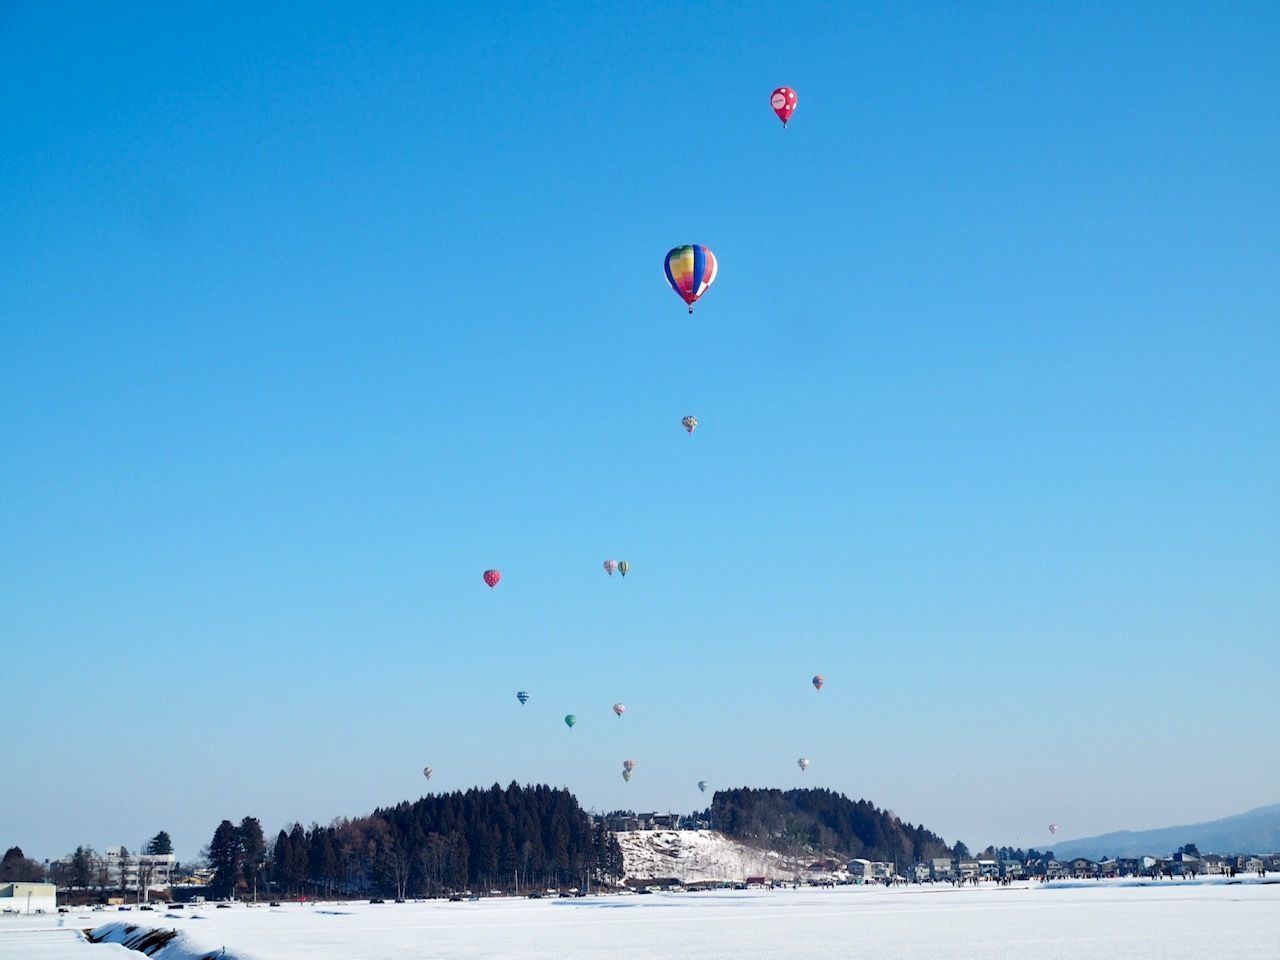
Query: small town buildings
859, 870
988, 869
1012, 869
967, 869
920, 872
881, 870
941, 868
28, 898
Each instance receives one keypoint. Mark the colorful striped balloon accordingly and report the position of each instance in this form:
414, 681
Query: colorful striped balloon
691, 269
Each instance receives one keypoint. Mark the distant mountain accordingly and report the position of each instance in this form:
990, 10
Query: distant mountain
1257, 831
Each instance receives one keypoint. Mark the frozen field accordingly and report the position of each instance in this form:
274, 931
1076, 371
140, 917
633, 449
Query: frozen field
1170, 920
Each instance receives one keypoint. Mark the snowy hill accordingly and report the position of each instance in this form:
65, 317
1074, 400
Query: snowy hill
1257, 831
693, 855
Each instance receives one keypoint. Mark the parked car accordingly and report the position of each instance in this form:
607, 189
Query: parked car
376, 900
274, 903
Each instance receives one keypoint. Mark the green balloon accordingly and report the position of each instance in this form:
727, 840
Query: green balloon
570, 720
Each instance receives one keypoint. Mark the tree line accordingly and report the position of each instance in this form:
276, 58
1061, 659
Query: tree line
820, 820
520, 837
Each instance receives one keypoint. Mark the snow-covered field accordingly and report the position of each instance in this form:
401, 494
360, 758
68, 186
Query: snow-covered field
1174, 920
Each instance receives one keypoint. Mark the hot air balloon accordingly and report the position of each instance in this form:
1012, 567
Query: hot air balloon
784, 103
691, 269
428, 771
523, 697
702, 785
1053, 828
491, 577
690, 424
628, 765
619, 708
818, 681
803, 764
626, 775
570, 720
623, 567
610, 566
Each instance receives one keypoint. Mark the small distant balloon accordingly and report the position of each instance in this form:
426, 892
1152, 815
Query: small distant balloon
491, 577
628, 764
523, 697
818, 681
570, 720
623, 567
610, 566
626, 775
428, 771
619, 708
690, 424
1053, 828
803, 764
702, 785
783, 100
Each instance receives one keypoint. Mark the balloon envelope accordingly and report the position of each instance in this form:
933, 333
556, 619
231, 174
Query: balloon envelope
619, 708
626, 775
623, 567
702, 785
689, 423
783, 100
570, 720
1053, 828
818, 681
691, 270
523, 696
610, 566
803, 763
491, 577
628, 764
428, 771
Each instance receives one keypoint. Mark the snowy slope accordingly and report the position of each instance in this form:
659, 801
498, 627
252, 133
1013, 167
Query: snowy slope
692, 855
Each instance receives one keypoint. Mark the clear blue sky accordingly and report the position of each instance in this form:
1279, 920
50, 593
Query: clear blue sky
311, 314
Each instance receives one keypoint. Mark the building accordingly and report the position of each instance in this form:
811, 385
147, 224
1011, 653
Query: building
988, 869
859, 870
967, 869
941, 868
1011, 869
920, 872
882, 870
145, 871
1055, 869
28, 898
1082, 868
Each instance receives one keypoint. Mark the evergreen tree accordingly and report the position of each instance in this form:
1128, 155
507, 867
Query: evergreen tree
160, 844
254, 848
226, 856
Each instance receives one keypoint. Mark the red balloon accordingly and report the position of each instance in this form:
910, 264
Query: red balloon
491, 577
784, 103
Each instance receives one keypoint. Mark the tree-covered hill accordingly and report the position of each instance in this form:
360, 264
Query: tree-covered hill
821, 821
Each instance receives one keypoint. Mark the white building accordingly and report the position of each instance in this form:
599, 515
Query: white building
859, 869
152, 870
28, 898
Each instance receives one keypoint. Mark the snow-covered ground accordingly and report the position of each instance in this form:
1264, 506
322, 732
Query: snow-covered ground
1174, 920
690, 855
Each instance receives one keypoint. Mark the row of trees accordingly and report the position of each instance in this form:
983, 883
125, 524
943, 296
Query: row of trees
510, 839
84, 868
821, 820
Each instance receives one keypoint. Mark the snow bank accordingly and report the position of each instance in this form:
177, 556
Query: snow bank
162, 943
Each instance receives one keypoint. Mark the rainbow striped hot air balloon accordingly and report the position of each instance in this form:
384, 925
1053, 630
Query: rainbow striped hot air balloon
691, 269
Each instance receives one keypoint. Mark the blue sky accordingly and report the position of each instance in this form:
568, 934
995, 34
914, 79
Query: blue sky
310, 314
